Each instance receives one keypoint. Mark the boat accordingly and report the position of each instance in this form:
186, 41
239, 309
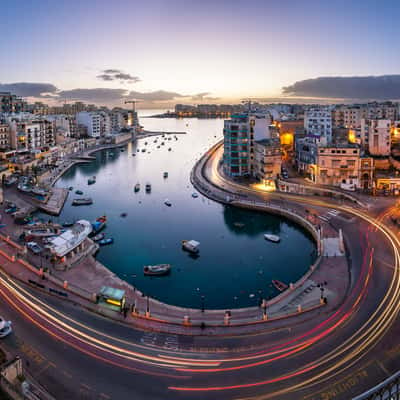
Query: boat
195, 195
143, 150
279, 285
98, 237
105, 242
272, 238
167, 203
70, 188
148, 188
99, 224
133, 154
124, 214
162, 143
91, 181
122, 149
191, 246
67, 224
165, 175
78, 192
169, 149
82, 202
137, 187
157, 270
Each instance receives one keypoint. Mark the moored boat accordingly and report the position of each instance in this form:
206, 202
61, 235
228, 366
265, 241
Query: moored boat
195, 195
78, 192
105, 242
98, 237
82, 202
91, 181
99, 224
279, 285
137, 187
67, 224
272, 238
191, 245
165, 175
148, 188
157, 270
167, 203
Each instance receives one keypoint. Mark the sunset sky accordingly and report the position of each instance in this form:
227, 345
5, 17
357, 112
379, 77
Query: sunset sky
218, 49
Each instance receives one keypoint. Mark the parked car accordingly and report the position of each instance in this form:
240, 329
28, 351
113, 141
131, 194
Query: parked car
34, 247
5, 328
285, 175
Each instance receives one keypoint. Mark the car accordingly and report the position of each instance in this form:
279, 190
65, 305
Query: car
5, 328
34, 247
285, 175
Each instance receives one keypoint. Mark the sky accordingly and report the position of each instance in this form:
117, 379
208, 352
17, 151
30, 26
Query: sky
193, 51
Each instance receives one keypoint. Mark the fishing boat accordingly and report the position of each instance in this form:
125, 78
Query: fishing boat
167, 203
78, 192
157, 270
148, 188
279, 285
191, 246
105, 242
165, 175
195, 195
137, 187
91, 181
272, 238
98, 237
82, 202
99, 224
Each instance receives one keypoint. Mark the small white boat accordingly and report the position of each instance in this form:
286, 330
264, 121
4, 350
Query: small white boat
160, 269
191, 245
195, 195
272, 238
167, 203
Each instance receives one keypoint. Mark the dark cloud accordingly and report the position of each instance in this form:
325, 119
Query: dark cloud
158, 95
356, 87
117, 75
28, 89
99, 95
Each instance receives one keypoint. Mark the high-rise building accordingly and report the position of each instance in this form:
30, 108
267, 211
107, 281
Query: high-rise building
375, 136
240, 134
97, 123
10, 103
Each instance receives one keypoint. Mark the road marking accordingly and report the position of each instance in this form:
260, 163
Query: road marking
45, 368
68, 375
87, 387
104, 396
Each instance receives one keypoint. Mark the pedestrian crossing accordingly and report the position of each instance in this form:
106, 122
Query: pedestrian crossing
330, 214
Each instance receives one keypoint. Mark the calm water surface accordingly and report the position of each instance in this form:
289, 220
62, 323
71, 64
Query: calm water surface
235, 264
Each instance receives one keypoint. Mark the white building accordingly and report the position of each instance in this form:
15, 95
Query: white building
64, 123
97, 123
318, 124
375, 136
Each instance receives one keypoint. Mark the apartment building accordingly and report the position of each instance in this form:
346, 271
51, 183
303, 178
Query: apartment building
32, 134
267, 159
375, 136
240, 134
318, 124
97, 123
5, 133
10, 103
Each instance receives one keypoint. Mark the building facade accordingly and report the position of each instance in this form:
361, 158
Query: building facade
318, 124
267, 159
375, 136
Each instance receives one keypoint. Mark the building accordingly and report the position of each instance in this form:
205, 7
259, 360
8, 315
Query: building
240, 134
375, 136
97, 123
335, 165
267, 159
65, 125
318, 124
10, 103
5, 137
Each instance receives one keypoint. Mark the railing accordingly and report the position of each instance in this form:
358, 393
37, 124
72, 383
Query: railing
387, 390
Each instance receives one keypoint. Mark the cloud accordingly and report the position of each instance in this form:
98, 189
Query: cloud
203, 96
158, 95
28, 89
355, 87
108, 75
99, 95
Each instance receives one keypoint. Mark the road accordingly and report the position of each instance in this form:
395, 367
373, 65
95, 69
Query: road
336, 355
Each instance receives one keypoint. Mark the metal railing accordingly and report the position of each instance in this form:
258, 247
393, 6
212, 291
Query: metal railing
387, 390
